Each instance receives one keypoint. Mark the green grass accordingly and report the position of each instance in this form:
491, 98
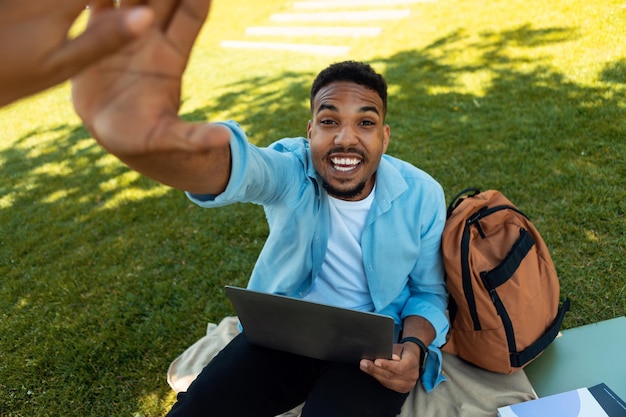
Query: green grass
107, 276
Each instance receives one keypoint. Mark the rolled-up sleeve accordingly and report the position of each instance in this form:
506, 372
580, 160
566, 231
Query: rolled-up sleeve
257, 175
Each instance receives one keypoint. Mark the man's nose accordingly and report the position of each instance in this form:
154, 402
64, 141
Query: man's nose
346, 137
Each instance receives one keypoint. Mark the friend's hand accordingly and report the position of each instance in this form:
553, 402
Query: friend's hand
401, 372
37, 52
130, 102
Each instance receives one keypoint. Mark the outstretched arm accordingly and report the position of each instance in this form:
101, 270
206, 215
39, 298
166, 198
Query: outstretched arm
37, 52
130, 103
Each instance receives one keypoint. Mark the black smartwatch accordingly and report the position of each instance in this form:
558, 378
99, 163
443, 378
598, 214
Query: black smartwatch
423, 349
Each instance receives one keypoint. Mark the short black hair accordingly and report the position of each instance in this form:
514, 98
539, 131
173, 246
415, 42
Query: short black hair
351, 71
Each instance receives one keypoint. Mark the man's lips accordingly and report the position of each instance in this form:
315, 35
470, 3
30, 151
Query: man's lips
344, 164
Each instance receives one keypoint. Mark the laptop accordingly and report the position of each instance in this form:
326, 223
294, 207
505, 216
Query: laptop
311, 329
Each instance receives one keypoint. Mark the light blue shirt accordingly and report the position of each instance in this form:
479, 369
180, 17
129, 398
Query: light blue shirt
401, 242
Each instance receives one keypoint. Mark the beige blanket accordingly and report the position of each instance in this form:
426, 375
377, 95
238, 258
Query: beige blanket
468, 391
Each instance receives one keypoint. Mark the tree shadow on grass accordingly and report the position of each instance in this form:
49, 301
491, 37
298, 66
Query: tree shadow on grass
104, 276
128, 268
615, 72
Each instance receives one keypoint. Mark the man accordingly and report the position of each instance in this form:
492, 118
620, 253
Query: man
349, 226
36, 48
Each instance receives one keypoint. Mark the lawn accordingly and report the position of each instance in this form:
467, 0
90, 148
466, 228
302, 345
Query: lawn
107, 276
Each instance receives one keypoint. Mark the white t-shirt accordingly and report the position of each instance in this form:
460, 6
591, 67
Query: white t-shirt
341, 281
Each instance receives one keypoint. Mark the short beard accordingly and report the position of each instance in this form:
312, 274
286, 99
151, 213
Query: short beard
351, 193
344, 194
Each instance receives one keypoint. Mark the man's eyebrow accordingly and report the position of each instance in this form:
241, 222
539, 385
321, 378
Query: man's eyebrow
363, 109
327, 107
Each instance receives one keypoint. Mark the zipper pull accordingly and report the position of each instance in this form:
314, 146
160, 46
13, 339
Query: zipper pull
475, 220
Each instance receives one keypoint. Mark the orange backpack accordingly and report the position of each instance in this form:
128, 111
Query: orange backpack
504, 290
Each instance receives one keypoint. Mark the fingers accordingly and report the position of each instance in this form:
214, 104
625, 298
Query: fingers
390, 378
180, 20
382, 367
399, 374
106, 33
98, 5
186, 23
163, 9
116, 27
129, 3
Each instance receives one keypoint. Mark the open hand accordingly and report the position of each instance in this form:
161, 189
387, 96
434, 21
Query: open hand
130, 101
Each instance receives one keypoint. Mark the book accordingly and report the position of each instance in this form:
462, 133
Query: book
597, 401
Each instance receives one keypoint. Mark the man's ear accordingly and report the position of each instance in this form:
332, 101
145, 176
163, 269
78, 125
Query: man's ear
386, 137
308, 130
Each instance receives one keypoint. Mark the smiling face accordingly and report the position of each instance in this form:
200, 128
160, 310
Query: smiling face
347, 136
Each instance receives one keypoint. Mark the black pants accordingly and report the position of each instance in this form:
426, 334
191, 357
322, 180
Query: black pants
245, 380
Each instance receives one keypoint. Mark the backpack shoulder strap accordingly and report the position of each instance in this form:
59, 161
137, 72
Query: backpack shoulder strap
468, 192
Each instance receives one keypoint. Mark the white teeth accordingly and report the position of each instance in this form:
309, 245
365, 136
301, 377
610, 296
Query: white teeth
345, 164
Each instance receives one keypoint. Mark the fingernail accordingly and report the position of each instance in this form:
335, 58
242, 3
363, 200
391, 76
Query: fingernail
139, 19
